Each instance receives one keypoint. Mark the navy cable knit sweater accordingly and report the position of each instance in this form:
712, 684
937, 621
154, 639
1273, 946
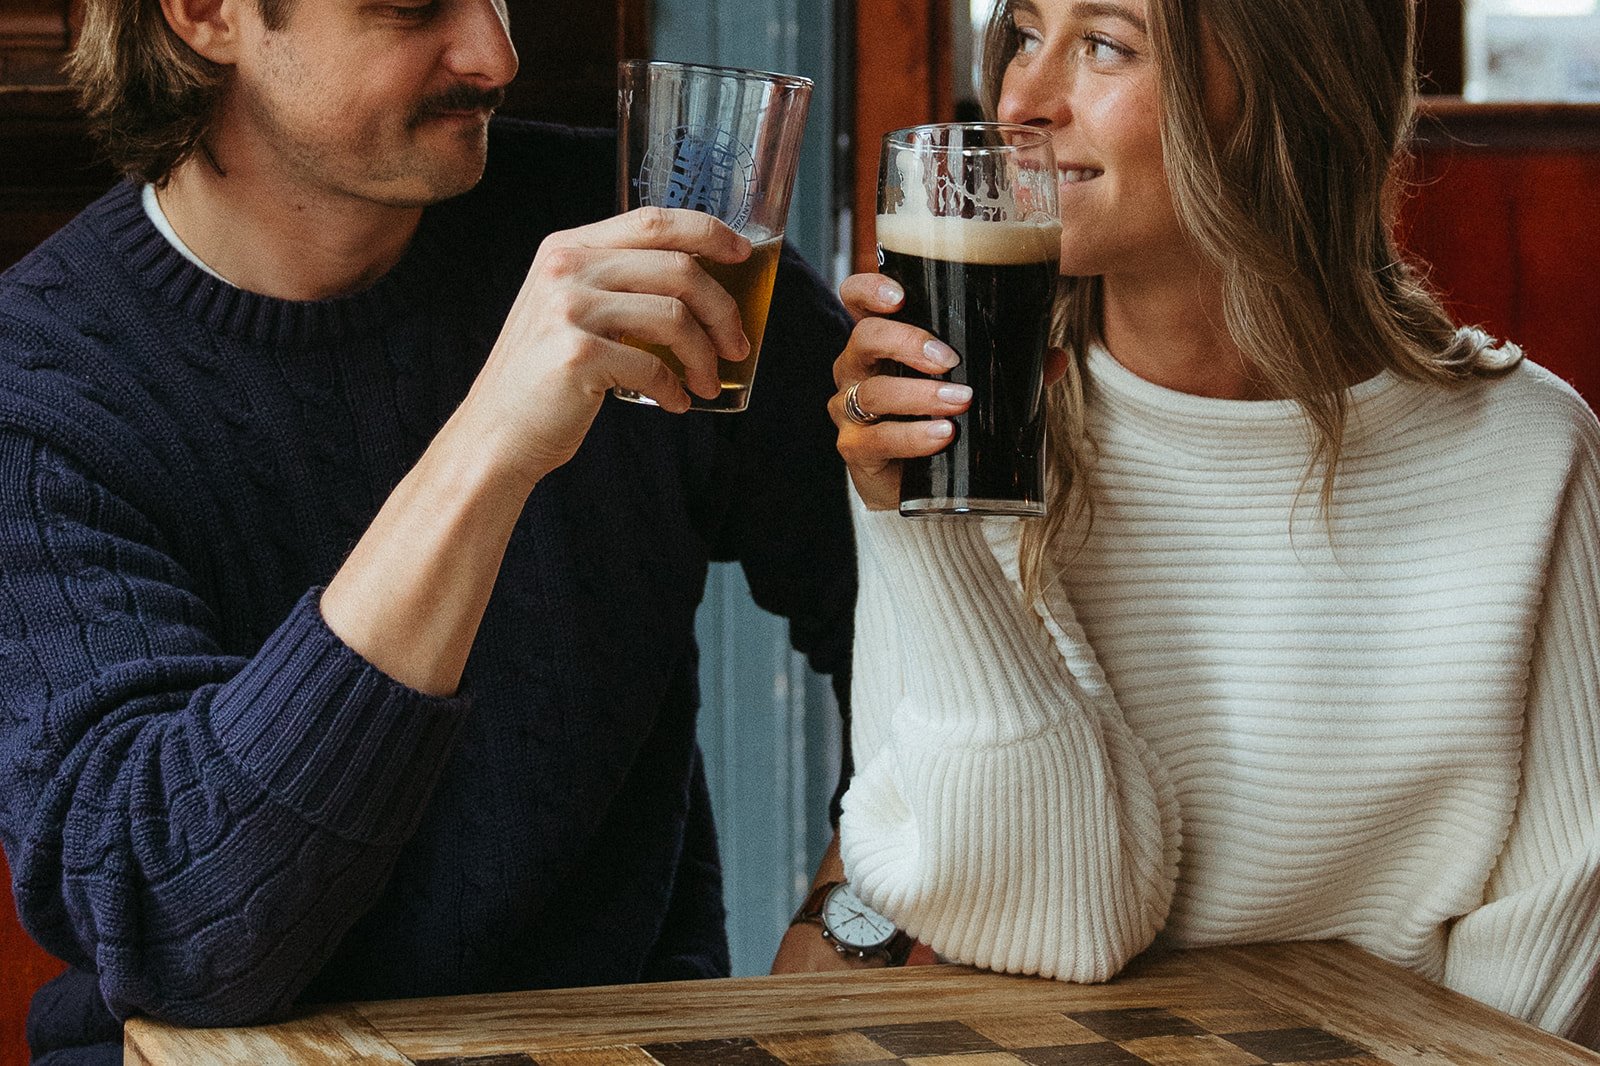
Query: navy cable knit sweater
215, 810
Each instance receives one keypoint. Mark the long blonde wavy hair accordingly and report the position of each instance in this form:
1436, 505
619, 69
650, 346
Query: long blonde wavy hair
1294, 205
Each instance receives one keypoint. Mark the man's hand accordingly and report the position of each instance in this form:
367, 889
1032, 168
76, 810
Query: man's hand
411, 596
561, 351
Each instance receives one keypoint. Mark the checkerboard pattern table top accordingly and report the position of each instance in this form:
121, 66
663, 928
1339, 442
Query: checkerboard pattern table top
1279, 1004
1130, 1036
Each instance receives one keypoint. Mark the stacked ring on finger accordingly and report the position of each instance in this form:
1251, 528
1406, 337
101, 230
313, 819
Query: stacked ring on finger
854, 411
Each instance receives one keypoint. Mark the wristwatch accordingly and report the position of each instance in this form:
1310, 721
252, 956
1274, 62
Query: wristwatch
854, 929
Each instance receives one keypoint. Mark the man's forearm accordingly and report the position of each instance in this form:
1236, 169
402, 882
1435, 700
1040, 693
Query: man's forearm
411, 596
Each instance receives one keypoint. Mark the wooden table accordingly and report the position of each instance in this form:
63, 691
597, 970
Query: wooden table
1326, 1003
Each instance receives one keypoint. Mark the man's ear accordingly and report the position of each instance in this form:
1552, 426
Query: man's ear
210, 27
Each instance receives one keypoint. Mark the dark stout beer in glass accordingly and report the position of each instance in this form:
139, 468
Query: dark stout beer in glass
968, 226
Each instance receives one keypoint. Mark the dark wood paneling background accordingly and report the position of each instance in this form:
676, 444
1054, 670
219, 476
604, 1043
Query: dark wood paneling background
33, 36
1505, 205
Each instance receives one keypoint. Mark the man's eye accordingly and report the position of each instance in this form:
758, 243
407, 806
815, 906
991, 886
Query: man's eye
412, 12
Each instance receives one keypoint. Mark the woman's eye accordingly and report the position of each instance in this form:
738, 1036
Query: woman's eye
1028, 41
1103, 49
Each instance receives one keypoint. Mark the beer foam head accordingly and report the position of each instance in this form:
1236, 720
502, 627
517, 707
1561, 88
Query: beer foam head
969, 240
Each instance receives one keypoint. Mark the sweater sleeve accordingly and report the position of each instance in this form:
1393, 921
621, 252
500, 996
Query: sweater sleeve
198, 829
1532, 948
1002, 811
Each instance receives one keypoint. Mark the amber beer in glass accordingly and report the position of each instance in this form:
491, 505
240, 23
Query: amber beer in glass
968, 225
725, 142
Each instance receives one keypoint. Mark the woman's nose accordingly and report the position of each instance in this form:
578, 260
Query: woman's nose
1030, 96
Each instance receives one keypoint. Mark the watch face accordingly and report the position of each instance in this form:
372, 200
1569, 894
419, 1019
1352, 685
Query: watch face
853, 923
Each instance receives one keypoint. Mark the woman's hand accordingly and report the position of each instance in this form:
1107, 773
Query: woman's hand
873, 451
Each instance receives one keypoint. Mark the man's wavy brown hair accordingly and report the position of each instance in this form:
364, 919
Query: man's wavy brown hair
148, 96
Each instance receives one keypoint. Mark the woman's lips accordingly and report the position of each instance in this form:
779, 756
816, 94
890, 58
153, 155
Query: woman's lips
1077, 175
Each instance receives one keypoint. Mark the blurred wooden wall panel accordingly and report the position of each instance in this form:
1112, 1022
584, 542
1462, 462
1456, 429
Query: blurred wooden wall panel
1505, 207
48, 168
34, 37
902, 78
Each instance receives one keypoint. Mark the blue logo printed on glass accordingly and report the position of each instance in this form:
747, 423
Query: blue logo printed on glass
701, 168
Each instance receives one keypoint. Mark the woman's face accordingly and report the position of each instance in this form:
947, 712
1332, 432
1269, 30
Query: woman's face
1084, 71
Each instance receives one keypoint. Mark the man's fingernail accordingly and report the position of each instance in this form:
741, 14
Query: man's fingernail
890, 294
940, 429
955, 393
940, 353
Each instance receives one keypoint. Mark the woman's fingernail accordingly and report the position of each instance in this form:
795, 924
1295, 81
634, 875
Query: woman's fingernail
941, 354
890, 294
955, 393
940, 429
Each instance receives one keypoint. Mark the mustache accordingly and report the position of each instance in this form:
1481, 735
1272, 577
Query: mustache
458, 98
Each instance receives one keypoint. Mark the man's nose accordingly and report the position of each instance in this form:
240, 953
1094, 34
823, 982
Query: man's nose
481, 49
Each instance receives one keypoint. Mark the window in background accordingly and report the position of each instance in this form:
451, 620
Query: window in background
1547, 50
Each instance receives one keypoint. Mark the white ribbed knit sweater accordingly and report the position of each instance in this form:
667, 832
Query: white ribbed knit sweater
1224, 726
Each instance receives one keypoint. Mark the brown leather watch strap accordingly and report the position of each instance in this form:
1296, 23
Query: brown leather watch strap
894, 952
898, 949
811, 909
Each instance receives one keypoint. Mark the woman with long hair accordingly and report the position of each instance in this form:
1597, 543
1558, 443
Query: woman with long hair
1308, 647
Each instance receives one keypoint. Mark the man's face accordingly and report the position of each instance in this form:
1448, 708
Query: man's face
381, 102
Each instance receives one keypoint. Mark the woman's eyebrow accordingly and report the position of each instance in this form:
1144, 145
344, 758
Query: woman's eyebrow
1104, 9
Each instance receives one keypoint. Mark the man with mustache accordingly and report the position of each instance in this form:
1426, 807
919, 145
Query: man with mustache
346, 628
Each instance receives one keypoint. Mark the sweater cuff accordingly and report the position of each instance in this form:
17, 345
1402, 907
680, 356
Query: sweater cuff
330, 736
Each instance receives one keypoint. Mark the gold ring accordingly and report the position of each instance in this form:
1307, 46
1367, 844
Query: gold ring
853, 410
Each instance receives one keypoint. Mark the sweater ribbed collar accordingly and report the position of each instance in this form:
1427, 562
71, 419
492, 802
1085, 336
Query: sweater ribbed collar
250, 316
1207, 425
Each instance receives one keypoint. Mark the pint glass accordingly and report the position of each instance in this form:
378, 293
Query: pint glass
725, 142
968, 225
